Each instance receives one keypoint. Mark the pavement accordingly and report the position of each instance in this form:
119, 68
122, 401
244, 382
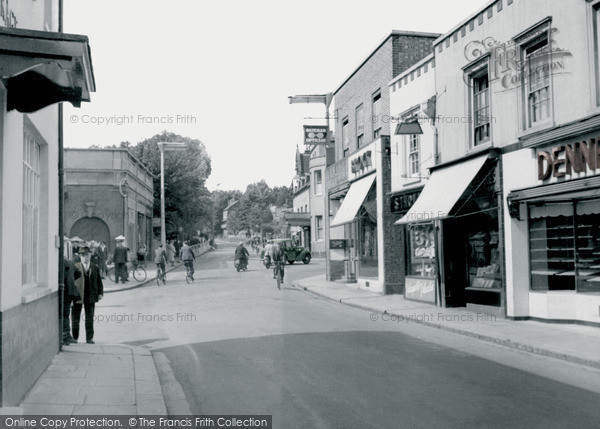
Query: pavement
116, 379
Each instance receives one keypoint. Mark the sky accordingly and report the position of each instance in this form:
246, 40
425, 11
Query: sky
222, 72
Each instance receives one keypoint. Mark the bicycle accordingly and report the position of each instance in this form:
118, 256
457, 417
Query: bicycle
189, 276
278, 276
161, 276
138, 272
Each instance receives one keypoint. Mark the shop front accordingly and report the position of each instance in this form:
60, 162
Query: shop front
369, 239
453, 247
561, 217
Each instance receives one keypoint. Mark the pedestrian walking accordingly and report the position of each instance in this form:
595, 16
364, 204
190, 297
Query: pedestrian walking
120, 260
102, 253
171, 253
70, 296
89, 285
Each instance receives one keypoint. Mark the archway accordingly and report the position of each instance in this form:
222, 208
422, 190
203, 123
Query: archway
91, 228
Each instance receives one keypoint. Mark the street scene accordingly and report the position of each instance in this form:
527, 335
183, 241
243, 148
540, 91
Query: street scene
316, 215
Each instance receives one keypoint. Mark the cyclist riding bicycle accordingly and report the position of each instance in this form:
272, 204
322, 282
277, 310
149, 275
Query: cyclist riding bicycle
160, 258
278, 258
242, 254
186, 255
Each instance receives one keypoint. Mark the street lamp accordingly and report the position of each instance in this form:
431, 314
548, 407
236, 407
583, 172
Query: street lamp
169, 147
324, 99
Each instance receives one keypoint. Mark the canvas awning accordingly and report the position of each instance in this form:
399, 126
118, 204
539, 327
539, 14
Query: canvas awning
353, 201
443, 189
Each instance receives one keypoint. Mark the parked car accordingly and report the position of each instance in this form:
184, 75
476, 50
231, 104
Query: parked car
293, 253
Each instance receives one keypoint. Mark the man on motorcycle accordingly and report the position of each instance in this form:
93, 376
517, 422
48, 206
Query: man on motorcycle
242, 254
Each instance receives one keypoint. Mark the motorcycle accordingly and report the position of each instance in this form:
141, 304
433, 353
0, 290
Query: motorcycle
241, 264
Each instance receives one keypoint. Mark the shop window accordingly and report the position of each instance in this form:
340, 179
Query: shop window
421, 251
360, 126
31, 208
481, 108
564, 241
318, 185
318, 228
367, 237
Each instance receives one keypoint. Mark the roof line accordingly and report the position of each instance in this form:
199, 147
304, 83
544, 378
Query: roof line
380, 44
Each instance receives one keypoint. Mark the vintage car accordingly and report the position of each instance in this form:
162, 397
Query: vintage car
293, 253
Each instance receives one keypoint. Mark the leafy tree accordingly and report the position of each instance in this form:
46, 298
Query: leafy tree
253, 212
188, 203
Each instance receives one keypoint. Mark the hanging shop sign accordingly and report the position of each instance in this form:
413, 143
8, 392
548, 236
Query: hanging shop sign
401, 204
337, 244
315, 134
571, 160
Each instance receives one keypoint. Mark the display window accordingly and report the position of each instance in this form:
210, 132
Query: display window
564, 243
368, 265
421, 251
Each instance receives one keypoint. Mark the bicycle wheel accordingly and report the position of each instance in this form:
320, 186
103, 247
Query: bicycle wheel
139, 274
158, 278
111, 274
188, 278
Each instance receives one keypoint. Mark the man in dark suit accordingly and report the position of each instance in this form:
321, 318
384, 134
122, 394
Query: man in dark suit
102, 253
90, 288
70, 296
120, 261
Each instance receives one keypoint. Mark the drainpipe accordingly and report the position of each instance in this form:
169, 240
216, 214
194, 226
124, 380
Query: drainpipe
61, 196
123, 193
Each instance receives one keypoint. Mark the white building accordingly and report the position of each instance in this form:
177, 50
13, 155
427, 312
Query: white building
40, 67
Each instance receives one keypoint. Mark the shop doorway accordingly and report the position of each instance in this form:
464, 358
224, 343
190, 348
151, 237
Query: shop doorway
455, 267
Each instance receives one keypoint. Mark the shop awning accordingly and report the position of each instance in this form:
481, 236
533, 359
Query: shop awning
40, 68
354, 198
297, 219
443, 189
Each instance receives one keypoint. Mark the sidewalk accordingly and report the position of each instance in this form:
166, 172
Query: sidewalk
574, 343
97, 379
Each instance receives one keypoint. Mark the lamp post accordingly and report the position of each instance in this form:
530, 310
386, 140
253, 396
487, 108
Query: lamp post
169, 147
324, 99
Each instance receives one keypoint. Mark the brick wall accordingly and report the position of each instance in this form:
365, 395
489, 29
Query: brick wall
29, 343
396, 54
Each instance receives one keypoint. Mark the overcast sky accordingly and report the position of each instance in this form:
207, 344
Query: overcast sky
221, 72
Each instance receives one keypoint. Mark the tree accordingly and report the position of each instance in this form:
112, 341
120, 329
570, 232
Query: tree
253, 212
188, 203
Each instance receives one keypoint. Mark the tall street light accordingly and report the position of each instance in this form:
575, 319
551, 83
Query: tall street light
326, 100
165, 147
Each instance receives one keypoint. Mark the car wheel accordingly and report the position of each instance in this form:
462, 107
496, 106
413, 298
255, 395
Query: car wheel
306, 259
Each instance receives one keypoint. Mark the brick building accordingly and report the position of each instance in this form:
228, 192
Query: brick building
108, 192
363, 242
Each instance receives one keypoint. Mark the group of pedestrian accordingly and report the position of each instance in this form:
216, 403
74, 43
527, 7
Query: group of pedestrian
83, 288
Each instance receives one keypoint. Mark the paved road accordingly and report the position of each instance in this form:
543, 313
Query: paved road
238, 345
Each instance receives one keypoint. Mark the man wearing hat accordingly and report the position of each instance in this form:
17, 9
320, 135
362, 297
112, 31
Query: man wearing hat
89, 285
120, 260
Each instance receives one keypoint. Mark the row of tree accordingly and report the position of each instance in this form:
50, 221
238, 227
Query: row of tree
189, 205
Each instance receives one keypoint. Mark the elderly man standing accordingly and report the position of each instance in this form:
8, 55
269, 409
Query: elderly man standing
120, 261
89, 285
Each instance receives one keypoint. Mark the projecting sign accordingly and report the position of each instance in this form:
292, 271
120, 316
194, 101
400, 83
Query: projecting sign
315, 134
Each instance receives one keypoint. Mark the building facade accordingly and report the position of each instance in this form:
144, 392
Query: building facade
414, 151
514, 194
299, 219
363, 241
108, 193
41, 66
